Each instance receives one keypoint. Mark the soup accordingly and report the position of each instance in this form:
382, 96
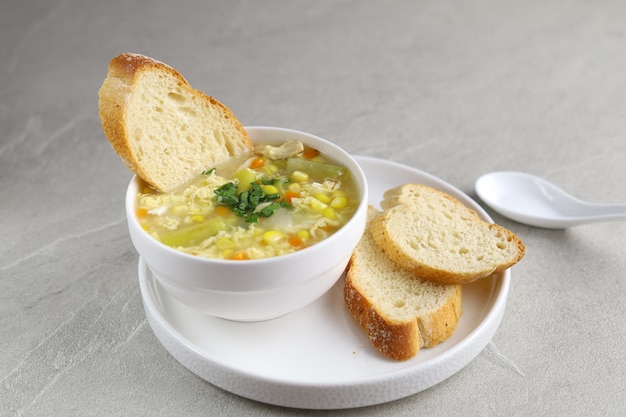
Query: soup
281, 200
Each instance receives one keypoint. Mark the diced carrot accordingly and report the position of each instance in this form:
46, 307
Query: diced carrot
142, 212
291, 194
295, 241
239, 256
222, 211
257, 163
310, 153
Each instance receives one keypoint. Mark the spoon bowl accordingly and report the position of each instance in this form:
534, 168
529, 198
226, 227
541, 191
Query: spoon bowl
532, 200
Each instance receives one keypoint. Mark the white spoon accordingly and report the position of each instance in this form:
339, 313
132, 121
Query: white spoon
534, 201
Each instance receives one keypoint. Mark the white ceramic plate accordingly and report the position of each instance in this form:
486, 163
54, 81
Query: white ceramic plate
318, 357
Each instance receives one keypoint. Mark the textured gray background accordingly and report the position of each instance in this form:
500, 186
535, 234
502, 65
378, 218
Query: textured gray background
453, 89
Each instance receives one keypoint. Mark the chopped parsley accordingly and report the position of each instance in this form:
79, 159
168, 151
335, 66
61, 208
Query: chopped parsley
208, 171
245, 203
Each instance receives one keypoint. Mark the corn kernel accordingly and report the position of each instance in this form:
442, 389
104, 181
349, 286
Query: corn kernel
197, 218
272, 236
303, 235
339, 202
329, 213
299, 176
270, 189
294, 186
323, 198
224, 243
316, 204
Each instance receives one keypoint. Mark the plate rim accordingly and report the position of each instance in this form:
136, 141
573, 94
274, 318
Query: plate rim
463, 352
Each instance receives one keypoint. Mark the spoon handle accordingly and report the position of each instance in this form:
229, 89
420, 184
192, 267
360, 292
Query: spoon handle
613, 211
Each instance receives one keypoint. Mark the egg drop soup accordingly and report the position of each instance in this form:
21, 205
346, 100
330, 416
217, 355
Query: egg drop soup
281, 200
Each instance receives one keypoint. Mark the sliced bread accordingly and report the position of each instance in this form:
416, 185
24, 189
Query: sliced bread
399, 312
434, 235
164, 130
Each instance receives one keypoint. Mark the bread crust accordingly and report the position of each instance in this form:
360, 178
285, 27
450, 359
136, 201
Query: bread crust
115, 95
401, 340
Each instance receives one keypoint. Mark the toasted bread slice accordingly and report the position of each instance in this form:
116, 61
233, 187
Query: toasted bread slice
399, 312
164, 130
438, 238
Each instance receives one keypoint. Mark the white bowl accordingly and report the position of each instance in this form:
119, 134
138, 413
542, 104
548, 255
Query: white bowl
259, 289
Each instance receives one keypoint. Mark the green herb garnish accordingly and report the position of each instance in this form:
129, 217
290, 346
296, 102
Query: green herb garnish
245, 203
208, 171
